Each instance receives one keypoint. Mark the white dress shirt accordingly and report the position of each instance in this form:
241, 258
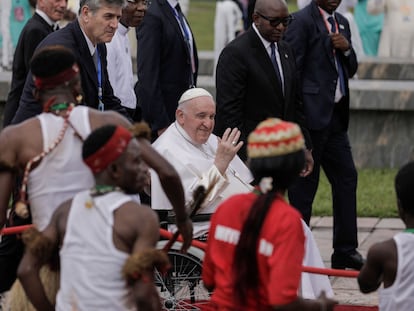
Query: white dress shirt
119, 68
266, 44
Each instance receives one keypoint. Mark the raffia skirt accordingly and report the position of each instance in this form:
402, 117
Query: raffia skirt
16, 299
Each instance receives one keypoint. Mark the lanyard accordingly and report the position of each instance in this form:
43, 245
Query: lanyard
101, 106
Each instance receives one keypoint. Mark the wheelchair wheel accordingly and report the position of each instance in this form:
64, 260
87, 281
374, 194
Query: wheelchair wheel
181, 288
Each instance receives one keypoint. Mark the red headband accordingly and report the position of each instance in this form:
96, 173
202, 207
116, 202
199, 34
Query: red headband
53, 81
109, 152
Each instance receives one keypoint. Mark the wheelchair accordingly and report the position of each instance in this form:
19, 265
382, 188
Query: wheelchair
181, 287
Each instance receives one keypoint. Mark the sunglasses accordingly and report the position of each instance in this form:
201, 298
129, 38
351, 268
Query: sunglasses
274, 22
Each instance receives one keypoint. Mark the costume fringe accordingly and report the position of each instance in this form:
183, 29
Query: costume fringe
141, 130
40, 246
139, 263
16, 299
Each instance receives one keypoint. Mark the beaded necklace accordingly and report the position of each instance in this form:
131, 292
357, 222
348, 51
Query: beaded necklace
59, 107
99, 190
21, 206
103, 189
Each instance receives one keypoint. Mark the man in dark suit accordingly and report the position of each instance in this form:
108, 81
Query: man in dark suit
86, 37
42, 23
256, 77
167, 63
321, 41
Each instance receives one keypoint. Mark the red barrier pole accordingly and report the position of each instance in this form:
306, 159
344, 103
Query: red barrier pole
202, 245
167, 235
331, 272
14, 230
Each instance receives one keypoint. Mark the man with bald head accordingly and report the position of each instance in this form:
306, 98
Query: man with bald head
256, 77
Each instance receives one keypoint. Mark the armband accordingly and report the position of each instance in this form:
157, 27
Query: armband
141, 130
135, 266
5, 167
40, 246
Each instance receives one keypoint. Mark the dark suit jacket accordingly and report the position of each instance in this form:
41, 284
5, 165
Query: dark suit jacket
72, 37
35, 30
309, 39
248, 90
164, 65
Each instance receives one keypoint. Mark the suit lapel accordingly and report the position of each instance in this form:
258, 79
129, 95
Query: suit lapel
169, 13
85, 57
42, 21
262, 57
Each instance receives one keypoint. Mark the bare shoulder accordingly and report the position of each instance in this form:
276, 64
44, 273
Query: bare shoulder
62, 212
382, 251
137, 211
56, 228
20, 142
384, 246
133, 221
100, 118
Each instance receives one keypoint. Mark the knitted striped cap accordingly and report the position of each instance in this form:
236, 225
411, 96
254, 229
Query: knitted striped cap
274, 137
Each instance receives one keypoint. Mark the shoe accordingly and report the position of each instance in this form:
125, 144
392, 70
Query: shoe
343, 261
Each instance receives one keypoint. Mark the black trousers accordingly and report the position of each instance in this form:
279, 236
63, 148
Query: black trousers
331, 152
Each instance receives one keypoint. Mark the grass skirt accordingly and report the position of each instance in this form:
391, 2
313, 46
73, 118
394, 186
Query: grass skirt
16, 299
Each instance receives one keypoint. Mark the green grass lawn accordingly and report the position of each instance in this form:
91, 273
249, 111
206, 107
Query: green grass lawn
375, 194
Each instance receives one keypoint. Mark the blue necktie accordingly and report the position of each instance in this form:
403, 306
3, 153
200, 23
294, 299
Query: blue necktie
182, 22
338, 62
275, 65
186, 34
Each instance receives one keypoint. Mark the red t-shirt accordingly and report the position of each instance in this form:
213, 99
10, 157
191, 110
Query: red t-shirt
280, 253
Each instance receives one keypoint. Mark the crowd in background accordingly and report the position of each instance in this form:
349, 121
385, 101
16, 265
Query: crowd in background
263, 73
382, 28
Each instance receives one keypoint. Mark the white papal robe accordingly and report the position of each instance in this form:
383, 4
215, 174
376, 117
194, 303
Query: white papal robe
195, 165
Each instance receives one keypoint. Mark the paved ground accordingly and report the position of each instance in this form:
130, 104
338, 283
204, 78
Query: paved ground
371, 230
